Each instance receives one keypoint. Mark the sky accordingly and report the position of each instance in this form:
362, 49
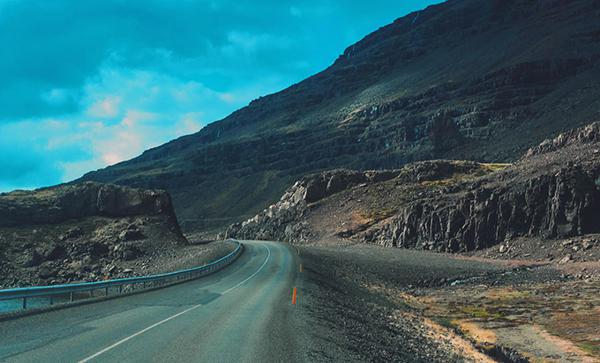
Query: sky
86, 84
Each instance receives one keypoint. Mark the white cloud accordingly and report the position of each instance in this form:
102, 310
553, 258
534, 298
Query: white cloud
106, 107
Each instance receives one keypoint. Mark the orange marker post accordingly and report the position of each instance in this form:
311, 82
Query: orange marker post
294, 296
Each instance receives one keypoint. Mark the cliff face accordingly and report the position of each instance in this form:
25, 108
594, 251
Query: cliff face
467, 79
59, 204
553, 192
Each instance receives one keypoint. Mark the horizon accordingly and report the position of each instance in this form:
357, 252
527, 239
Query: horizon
115, 93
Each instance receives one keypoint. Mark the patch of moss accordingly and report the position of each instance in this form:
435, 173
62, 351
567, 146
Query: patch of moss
494, 166
460, 176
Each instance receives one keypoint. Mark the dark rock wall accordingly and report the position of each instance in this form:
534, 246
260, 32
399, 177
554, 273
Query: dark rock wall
58, 204
562, 205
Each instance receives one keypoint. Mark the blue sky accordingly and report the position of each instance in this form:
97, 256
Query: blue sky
86, 84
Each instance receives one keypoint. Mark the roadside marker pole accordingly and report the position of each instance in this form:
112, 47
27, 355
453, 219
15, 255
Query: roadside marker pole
300, 267
294, 296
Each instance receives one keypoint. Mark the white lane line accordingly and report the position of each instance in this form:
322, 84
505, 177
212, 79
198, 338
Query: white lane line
251, 276
136, 334
95, 355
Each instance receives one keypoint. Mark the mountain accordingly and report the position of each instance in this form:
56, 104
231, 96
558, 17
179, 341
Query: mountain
466, 79
551, 194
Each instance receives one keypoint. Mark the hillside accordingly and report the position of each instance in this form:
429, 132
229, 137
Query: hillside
479, 80
546, 205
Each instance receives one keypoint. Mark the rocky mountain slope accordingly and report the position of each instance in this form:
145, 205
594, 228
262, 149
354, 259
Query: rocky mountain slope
550, 194
466, 79
88, 231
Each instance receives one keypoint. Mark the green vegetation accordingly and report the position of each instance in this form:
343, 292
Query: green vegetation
491, 167
592, 348
482, 313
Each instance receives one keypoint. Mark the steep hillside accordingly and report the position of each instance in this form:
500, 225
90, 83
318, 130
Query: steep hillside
545, 203
467, 79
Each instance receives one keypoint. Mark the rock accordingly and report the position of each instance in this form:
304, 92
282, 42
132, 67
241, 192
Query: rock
97, 249
47, 271
131, 234
72, 233
33, 259
87, 261
586, 244
502, 249
127, 271
130, 252
75, 266
55, 252
565, 259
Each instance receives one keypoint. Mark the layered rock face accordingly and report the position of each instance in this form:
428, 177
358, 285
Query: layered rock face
466, 79
552, 192
58, 204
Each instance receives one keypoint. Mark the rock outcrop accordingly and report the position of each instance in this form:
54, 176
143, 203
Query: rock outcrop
552, 192
58, 204
465, 79
85, 231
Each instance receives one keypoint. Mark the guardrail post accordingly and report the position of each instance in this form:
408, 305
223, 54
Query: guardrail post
106, 291
24, 303
51, 300
71, 296
120, 289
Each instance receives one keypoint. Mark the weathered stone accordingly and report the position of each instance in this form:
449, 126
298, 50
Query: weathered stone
55, 252
33, 259
47, 271
131, 235
565, 259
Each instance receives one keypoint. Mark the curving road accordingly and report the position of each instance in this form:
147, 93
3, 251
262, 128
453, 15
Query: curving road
240, 314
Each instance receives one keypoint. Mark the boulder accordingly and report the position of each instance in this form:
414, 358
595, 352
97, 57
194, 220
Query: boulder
47, 271
34, 258
131, 234
54, 252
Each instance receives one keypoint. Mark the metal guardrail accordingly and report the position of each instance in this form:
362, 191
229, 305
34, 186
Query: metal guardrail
71, 292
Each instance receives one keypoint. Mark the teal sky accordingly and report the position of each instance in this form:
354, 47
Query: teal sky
86, 84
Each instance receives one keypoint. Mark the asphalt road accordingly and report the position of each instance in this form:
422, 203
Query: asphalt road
240, 314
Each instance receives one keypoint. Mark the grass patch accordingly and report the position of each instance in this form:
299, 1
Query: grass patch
482, 313
592, 348
491, 167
